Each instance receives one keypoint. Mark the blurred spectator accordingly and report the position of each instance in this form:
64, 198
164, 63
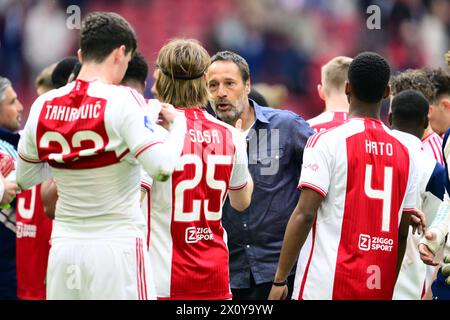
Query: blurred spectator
47, 38
284, 41
44, 81
13, 13
275, 95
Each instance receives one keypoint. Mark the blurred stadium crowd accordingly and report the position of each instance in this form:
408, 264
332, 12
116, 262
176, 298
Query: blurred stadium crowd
284, 41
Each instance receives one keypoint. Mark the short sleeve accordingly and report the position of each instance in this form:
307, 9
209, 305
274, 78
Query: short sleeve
316, 172
301, 131
411, 196
239, 175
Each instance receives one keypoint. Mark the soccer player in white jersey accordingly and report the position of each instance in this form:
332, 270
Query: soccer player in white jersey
92, 136
409, 118
440, 106
418, 80
437, 235
188, 245
332, 92
357, 188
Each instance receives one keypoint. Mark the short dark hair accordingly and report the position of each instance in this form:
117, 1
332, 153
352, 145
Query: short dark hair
369, 75
413, 79
137, 69
440, 80
235, 58
257, 97
410, 106
62, 71
102, 32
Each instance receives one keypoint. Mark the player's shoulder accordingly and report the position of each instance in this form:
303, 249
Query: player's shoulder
283, 117
321, 118
53, 94
333, 136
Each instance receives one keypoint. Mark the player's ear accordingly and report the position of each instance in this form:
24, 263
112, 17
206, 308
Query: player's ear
80, 56
247, 87
119, 53
446, 103
387, 92
321, 92
348, 88
390, 119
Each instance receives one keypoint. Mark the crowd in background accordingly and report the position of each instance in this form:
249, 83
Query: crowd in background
284, 41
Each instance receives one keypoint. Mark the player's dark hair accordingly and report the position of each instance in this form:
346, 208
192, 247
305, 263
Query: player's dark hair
102, 32
235, 58
257, 97
62, 71
440, 80
410, 107
369, 75
137, 69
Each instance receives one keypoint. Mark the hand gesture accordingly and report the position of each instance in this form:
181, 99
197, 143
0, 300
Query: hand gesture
278, 293
426, 255
11, 189
418, 221
167, 115
6, 164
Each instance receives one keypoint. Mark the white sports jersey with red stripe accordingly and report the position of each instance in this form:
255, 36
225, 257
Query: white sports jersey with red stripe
432, 144
91, 133
366, 178
188, 245
327, 120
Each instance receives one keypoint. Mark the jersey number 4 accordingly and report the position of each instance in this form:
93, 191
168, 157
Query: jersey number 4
385, 195
212, 162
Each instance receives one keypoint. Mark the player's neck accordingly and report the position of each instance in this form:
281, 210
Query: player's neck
93, 71
337, 103
248, 117
364, 109
411, 130
427, 132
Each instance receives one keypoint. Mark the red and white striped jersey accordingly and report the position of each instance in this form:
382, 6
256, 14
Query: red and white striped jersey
188, 245
327, 120
367, 179
32, 245
432, 144
90, 133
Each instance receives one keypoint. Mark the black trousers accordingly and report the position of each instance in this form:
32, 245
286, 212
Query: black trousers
260, 291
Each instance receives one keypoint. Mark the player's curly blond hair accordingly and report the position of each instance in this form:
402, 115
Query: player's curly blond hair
181, 81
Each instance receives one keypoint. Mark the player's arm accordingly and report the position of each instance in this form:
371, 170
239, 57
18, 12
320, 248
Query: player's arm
403, 231
158, 158
8, 189
30, 170
297, 231
435, 235
241, 182
49, 196
240, 199
30, 174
